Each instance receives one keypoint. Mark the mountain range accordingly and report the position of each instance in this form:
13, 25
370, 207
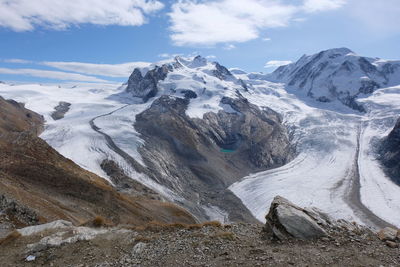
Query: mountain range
220, 143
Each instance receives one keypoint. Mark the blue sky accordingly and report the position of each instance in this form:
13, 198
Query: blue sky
40, 38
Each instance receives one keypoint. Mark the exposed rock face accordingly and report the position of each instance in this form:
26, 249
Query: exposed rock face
390, 153
146, 86
286, 220
338, 74
200, 158
126, 184
60, 110
221, 72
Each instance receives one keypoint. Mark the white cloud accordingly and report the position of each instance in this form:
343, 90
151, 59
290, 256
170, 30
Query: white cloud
108, 70
229, 47
209, 22
57, 75
25, 15
223, 21
276, 63
322, 5
17, 61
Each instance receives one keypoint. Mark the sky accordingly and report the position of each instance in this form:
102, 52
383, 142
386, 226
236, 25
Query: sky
102, 41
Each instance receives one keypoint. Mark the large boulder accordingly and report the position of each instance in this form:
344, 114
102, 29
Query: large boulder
286, 220
387, 234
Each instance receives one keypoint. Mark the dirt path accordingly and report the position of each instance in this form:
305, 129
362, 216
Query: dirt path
353, 195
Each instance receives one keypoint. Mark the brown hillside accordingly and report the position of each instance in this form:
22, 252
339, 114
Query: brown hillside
38, 184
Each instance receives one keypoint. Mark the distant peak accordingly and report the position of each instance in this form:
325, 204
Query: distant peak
191, 62
342, 50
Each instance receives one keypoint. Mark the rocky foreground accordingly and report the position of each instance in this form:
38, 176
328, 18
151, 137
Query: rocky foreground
292, 236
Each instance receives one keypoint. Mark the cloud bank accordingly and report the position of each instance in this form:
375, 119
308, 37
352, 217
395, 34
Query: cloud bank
56, 75
108, 70
25, 15
222, 21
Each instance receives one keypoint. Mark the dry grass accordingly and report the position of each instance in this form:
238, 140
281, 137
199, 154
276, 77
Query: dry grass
212, 224
225, 235
99, 221
10, 238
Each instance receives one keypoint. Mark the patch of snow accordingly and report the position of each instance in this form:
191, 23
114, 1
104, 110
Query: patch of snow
31, 230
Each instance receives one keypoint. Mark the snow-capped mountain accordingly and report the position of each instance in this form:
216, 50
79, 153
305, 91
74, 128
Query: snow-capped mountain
223, 143
338, 74
194, 120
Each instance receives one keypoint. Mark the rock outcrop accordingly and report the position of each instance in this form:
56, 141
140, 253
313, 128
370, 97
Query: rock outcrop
146, 86
285, 220
389, 153
60, 110
390, 236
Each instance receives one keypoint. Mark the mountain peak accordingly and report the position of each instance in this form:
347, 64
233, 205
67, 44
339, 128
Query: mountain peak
341, 50
337, 74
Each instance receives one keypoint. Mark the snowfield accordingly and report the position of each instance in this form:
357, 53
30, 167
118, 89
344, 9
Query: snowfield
335, 168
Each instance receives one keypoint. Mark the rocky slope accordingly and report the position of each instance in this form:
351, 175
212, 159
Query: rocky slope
390, 153
38, 184
338, 243
338, 74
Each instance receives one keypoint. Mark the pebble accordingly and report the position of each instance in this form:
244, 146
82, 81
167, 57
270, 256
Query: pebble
392, 244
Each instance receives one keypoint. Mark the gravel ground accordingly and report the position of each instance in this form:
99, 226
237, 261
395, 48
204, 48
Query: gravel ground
229, 245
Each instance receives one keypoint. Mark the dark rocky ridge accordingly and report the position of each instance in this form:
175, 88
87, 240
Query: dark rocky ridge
60, 110
201, 158
389, 153
126, 184
146, 86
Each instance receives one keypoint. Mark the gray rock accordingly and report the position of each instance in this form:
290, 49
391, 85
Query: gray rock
145, 87
222, 72
286, 220
387, 233
138, 248
389, 153
60, 110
